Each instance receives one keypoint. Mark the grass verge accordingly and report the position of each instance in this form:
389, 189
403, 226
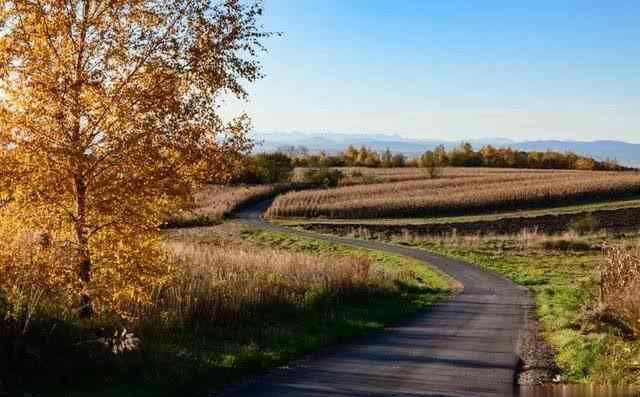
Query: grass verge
562, 272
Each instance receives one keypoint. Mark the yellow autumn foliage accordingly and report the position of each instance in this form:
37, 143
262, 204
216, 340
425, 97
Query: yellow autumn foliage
108, 121
39, 271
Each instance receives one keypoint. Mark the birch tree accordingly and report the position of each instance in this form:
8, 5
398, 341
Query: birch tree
109, 113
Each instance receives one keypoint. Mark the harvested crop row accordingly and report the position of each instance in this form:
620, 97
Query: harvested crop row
424, 186
475, 193
408, 189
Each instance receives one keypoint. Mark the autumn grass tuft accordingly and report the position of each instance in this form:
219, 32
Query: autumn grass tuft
232, 284
620, 286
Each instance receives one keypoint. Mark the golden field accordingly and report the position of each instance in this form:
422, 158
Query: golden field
214, 202
458, 191
366, 175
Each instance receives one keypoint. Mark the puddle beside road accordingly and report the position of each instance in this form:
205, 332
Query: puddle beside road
577, 391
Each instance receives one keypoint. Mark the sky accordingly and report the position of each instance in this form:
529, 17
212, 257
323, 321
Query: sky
450, 69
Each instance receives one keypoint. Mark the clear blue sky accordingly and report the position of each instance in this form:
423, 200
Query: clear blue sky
451, 69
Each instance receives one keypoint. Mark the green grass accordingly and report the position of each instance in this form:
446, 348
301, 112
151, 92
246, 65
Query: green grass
196, 361
564, 284
530, 213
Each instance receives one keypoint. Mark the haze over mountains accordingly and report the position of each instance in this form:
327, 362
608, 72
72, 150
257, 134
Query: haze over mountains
625, 153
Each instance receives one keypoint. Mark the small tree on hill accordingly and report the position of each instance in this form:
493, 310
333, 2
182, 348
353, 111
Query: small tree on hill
430, 163
398, 160
108, 117
386, 160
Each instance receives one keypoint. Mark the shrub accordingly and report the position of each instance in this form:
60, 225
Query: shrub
324, 176
585, 225
40, 331
38, 273
619, 286
274, 167
566, 245
431, 164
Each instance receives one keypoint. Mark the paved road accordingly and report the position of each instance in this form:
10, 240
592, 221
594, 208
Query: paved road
462, 347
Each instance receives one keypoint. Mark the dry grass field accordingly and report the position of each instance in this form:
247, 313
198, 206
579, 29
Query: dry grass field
214, 202
238, 301
458, 192
229, 282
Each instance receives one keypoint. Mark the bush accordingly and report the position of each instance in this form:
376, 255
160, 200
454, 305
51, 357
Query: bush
324, 176
587, 224
431, 164
566, 245
357, 177
245, 172
274, 167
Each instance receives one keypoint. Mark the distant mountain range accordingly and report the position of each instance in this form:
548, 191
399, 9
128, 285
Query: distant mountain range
625, 153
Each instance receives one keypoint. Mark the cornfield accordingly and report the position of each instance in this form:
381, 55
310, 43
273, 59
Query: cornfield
213, 203
458, 192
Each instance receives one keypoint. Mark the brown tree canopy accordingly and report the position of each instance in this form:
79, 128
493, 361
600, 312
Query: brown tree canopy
108, 109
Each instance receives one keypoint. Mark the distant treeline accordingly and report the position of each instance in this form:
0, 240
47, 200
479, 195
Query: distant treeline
462, 156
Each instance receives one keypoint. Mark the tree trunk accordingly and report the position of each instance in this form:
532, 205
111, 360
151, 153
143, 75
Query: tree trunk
86, 308
84, 256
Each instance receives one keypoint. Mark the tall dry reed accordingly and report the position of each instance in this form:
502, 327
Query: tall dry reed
620, 285
231, 283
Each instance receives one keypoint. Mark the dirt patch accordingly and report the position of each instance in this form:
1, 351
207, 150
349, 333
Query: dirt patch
612, 220
537, 366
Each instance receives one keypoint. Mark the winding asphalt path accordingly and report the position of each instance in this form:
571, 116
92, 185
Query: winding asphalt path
465, 346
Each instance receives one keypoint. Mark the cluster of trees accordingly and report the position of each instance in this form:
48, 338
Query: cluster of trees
351, 157
278, 167
262, 168
489, 156
462, 156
